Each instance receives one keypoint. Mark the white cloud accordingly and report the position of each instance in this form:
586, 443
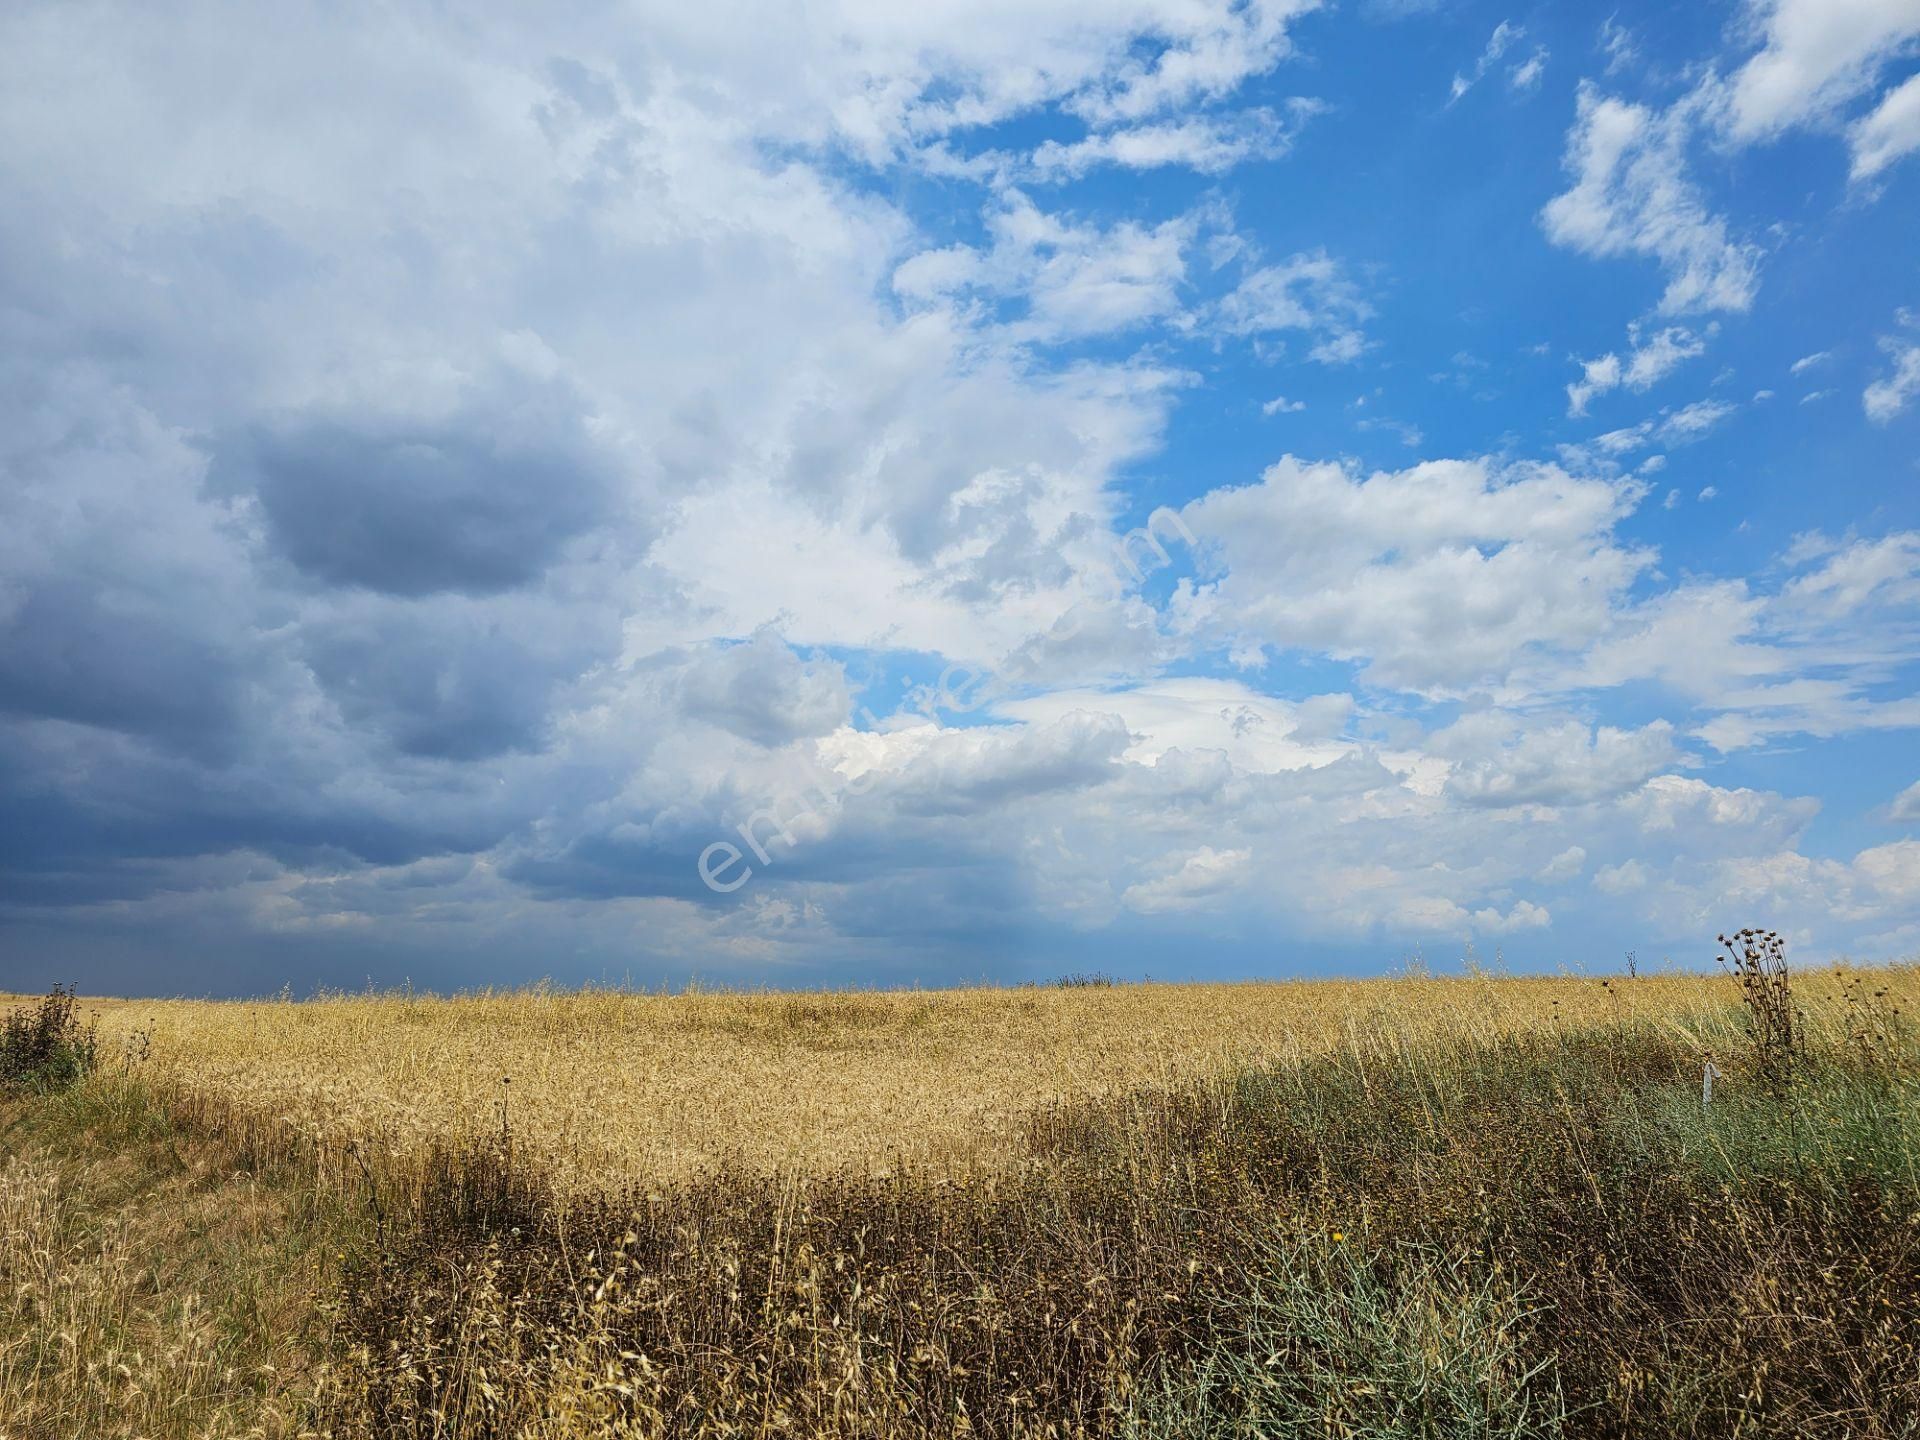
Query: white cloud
1690, 422
1607, 452
1621, 879
1214, 49
1256, 733
1807, 362
1631, 196
1659, 356
1892, 871
1526, 75
1211, 145
1438, 578
1564, 866
1504, 35
1076, 278
1855, 575
1524, 915
1597, 377
1281, 405
1500, 761
1410, 436
1891, 131
1889, 395
1192, 881
1780, 888
1310, 292
1817, 54
1906, 805
1806, 658
763, 692
1648, 362
1617, 42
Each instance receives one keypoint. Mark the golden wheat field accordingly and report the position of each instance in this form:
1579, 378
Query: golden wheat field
611, 1087
1065, 1212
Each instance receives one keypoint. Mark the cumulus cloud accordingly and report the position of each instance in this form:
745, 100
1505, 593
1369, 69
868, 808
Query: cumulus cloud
460, 504
1438, 578
1564, 866
1631, 195
1621, 879
1189, 881
1210, 51
1498, 761
1815, 55
448, 677
1793, 660
1075, 279
1521, 915
763, 692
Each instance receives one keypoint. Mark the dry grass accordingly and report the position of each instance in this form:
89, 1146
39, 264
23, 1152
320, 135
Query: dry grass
148, 1289
606, 1086
1386, 1208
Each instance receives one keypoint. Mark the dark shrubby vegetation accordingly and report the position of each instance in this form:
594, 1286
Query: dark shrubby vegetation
44, 1047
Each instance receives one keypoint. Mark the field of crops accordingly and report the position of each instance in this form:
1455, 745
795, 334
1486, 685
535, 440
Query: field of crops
609, 1086
1410, 1207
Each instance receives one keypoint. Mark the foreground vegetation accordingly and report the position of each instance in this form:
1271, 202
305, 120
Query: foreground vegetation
1467, 1217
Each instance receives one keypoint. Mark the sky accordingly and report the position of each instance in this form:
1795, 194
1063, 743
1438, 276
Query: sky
872, 494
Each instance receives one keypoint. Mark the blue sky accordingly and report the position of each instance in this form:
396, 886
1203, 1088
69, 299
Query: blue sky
860, 494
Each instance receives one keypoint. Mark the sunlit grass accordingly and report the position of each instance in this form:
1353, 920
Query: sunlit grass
611, 1086
1433, 1207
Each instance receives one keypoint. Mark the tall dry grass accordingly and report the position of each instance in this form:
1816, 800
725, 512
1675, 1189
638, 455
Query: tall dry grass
1417, 1207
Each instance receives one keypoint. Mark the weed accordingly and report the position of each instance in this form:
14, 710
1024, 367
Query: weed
44, 1047
1757, 960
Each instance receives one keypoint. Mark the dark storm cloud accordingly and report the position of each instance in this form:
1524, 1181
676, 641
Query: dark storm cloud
77, 651
655, 860
89, 815
468, 706
409, 509
455, 680
805, 825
